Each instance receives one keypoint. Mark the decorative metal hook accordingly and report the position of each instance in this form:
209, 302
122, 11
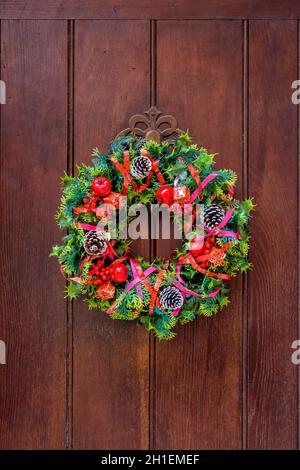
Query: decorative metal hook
155, 125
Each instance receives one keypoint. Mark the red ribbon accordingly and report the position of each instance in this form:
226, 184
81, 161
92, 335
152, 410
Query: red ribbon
190, 259
125, 170
155, 166
139, 277
186, 291
82, 210
201, 186
155, 289
220, 250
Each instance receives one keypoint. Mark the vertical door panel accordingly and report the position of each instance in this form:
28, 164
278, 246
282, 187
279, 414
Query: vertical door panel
33, 157
110, 357
198, 375
272, 380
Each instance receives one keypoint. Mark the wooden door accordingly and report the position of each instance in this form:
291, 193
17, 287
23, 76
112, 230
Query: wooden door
74, 73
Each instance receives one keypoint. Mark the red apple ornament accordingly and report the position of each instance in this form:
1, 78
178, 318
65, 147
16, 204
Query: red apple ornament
101, 186
164, 195
120, 273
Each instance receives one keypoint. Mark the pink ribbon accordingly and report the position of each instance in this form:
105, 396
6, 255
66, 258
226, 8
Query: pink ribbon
217, 231
135, 275
89, 227
202, 185
178, 269
225, 219
147, 272
129, 286
186, 291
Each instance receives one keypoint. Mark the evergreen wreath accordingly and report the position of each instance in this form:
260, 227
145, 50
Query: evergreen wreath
158, 294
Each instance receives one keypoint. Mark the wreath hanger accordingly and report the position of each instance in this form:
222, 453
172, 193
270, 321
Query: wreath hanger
155, 126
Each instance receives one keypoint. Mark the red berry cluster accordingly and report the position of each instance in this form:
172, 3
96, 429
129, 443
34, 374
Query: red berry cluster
96, 268
116, 272
206, 249
100, 271
90, 202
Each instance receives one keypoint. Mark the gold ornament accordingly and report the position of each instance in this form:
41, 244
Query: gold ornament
217, 257
226, 198
181, 194
106, 291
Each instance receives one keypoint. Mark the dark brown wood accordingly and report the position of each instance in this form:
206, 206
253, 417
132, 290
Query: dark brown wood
33, 308
75, 378
198, 375
245, 194
272, 379
111, 358
149, 9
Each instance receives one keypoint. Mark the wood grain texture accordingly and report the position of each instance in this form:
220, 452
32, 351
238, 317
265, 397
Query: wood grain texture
198, 375
33, 309
191, 396
111, 358
272, 389
149, 9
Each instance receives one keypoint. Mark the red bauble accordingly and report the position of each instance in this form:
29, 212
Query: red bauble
197, 246
164, 195
120, 273
201, 247
101, 186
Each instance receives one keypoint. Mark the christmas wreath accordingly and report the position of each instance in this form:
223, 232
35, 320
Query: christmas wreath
158, 293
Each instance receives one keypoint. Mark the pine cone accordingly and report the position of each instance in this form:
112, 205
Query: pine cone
212, 216
171, 298
94, 243
140, 167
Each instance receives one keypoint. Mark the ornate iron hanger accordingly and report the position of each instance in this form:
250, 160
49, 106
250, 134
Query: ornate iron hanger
152, 125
